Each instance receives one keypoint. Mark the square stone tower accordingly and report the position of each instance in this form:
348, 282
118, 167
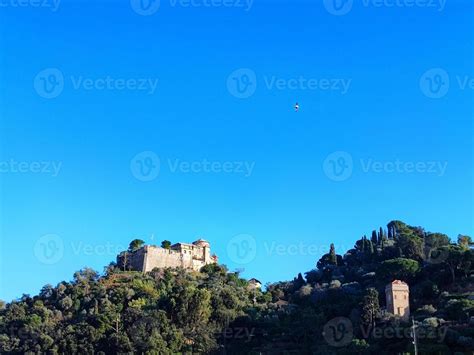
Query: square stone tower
397, 295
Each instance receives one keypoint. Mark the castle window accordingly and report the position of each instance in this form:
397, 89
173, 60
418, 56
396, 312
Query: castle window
395, 297
405, 296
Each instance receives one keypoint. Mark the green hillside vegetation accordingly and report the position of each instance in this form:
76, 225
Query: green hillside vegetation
338, 307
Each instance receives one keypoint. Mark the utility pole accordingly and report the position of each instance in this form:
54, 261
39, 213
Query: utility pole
117, 321
414, 336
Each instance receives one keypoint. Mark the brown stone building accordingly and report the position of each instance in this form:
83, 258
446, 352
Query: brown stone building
189, 256
397, 295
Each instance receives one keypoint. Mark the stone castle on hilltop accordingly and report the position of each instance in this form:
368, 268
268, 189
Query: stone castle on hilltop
188, 256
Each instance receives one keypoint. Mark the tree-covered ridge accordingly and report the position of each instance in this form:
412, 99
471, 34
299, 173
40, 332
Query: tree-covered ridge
336, 308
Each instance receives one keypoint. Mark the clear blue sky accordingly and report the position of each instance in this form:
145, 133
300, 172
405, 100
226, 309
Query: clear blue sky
409, 134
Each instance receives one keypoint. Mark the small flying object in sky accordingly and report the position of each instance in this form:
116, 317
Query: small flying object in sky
297, 107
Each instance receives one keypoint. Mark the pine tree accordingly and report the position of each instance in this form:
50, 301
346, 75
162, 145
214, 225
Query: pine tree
390, 235
380, 235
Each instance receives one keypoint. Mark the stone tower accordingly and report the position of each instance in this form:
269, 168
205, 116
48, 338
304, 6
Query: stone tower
397, 295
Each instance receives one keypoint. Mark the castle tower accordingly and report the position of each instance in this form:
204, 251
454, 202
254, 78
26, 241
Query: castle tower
205, 250
397, 296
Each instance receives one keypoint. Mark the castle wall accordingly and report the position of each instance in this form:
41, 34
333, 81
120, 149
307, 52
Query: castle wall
146, 259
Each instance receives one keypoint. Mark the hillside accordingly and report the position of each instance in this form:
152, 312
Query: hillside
338, 307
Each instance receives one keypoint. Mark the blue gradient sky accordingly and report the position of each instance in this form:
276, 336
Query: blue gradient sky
291, 205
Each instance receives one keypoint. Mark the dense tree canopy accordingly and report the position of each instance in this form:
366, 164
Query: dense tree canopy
177, 311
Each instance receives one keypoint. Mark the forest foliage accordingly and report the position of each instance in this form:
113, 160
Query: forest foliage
214, 311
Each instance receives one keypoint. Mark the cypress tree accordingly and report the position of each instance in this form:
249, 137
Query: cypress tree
332, 255
374, 237
371, 247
